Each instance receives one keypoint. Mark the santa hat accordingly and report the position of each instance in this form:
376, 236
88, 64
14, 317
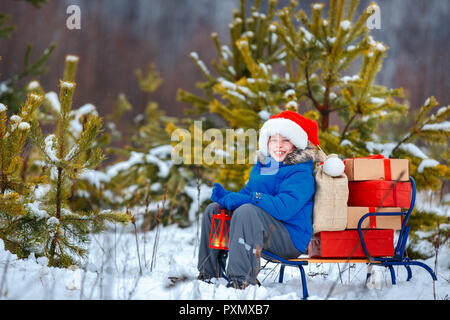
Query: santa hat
299, 130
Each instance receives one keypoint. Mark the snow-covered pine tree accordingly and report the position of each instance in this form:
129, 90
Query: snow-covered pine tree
61, 234
243, 91
12, 90
322, 50
299, 62
148, 177
13, 134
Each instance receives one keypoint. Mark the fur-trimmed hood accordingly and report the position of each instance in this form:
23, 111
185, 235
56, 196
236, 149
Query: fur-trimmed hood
298, 155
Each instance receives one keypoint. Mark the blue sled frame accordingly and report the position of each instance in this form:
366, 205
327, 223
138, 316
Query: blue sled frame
397, 260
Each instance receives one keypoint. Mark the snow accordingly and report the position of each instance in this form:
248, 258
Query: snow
111, 271
264, 115
140, 158
346, 79
228, 85
292, 104
226, 52
35, 97
237, 95
442, 110
163, 166
308, 35
414, 150
346, 142
33, 209
426, 163
376, 100
162, 151
53, 221
193, 193
317, 6
49, 149
232, 89
445, 126
386, 149
379, 46
15, 119
264, 67
248, 34
72, 58
289, 92
345, 25
5, 88
67, 85
53, 100
194, 55
96, 178
76, 126
24, 126
33, 85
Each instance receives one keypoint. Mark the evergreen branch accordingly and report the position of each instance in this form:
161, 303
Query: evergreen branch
6, 31
419, 122
86, 139
347, 126
310, 94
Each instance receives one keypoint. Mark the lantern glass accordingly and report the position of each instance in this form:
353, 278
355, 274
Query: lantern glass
220, 227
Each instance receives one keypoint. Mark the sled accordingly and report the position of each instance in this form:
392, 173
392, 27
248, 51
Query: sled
398, 259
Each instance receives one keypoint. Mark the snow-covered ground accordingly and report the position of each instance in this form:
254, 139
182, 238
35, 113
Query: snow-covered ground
112, 271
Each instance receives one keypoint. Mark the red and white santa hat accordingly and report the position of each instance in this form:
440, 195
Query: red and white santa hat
298, 129
291, 125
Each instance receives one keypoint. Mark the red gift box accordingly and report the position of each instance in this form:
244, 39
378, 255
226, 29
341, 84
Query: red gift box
379, 193
346, 244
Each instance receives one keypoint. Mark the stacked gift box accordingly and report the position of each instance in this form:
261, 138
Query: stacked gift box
376, 184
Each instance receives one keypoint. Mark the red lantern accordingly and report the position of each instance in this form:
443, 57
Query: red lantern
220, 227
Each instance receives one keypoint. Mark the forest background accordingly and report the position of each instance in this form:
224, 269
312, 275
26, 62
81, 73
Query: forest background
118, 38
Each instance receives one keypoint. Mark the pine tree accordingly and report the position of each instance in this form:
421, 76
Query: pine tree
299, 62
13, 134
148, 177
243, 93
61, 234
286, 58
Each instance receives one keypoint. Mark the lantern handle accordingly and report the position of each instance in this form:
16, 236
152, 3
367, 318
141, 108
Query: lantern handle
227, 212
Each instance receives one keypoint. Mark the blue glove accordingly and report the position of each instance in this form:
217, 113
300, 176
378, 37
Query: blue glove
218, 192
234, 200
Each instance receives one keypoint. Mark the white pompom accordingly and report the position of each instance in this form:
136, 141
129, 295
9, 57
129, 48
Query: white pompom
333, 166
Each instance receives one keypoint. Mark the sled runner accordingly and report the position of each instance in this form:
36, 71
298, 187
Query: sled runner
397, 259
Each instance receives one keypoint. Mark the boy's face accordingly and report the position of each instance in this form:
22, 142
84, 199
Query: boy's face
279, 147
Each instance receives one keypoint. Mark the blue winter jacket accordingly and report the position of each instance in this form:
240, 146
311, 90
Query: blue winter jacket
286, 191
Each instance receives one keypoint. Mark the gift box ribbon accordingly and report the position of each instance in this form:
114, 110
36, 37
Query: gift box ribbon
372, 219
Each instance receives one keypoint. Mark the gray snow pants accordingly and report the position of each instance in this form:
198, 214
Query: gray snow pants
251, 227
